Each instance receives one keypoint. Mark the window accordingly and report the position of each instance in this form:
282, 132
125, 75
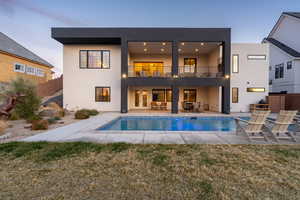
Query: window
289, 65
235, 95
270, 68
257, 57
279, 71
40, 72
158, 95
189, 95
30, 70
102, 94
235, 63
258, 89
97, 59
169, 95
190, 64
19, 68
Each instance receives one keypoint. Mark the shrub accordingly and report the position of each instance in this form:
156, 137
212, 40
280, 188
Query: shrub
56, 118
82, 114
51, 120
14, 116
30, 102
33, 118
40, 125
93, 112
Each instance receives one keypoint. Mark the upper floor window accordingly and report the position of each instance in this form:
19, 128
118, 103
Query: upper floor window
190, 64
30, 70
289, 65
279, 71
257, 57
97, 59
19, 68
235, 63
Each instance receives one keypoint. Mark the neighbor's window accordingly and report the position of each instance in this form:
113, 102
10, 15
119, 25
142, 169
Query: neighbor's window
258, 89
235, 95
30, 70
279, 71
99, 59
189, 95
40, 72
257, 57
158, 95
19, 68
289, 65
235, 63
102, 94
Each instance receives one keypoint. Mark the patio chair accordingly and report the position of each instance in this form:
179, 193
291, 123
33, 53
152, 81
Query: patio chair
163, 106
280, 127
197, 107
253, 128
154, 106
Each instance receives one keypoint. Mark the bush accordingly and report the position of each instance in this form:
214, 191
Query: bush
29, 104
33, 118
93, 112
51, 121
14, 116
39, 125
56, 118
82, 114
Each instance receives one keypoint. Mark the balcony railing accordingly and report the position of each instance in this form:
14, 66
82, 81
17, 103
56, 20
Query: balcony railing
161, 71
190, 71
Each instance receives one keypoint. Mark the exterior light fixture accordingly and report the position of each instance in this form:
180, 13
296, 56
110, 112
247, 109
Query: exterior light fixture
145, 43
202, 43
196, 50
175, 76
182, 43
162, 49
227, 76
163, 43
145, 50
124, 75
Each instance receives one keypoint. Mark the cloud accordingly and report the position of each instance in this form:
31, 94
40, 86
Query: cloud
8, 6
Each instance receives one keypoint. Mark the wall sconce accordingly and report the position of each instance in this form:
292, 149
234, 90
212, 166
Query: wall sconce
124, 75
175, 76
227, 76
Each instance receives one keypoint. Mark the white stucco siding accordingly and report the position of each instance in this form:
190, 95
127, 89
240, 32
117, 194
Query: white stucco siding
79, 84
288, 31
252, 73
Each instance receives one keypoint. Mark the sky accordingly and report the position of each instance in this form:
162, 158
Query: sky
29, 22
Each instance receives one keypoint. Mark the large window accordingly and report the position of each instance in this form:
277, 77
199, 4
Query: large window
162, 95
19, 68
235, 63
235, 95
189, 95
97, 59
289, 65
30, 70
40, 72
102, 94
190, 65
279, 71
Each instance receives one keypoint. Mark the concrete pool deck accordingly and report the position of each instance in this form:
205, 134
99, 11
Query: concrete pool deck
85, 130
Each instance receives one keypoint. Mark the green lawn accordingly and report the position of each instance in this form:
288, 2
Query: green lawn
123, 171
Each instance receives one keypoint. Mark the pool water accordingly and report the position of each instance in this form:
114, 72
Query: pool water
171, 124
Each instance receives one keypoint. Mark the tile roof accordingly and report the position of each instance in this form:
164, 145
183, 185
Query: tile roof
10, 46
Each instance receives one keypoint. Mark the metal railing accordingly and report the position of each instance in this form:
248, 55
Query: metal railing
190, 71
164, 71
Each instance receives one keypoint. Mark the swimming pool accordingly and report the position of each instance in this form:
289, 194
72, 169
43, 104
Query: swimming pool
156, 123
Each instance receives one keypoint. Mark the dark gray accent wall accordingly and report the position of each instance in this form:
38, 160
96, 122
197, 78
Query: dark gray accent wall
121, 36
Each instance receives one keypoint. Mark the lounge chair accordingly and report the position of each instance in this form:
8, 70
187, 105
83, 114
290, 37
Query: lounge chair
280, 130
254, 127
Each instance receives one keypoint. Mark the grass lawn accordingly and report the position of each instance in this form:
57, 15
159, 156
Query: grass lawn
122, 171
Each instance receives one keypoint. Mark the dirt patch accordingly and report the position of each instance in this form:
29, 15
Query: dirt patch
124, 171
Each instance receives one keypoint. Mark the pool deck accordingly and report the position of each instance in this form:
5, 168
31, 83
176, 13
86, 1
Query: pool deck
85, 130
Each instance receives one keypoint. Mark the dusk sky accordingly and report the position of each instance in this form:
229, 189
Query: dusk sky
29, 21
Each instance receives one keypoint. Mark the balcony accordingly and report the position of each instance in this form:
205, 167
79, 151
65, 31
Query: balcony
149, 70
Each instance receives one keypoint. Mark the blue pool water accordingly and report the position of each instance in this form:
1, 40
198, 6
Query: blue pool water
171, 124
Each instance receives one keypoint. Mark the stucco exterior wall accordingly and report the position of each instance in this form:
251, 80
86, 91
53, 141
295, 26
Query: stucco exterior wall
252, 73
79, 84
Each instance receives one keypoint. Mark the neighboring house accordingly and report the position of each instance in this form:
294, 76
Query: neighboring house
16, 60
122, 69
284, 43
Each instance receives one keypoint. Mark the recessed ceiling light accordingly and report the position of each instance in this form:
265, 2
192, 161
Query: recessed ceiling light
162, 49
179, 50
163, 43
145, 43
202, 43
196, 50
182, 43
145, 49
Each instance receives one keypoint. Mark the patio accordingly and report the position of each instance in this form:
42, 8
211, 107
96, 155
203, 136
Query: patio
85, 130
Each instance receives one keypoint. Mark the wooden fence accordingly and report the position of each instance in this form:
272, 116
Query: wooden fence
50, 87
284, 102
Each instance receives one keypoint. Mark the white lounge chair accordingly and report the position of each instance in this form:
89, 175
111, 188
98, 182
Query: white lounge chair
280, 127
253, 129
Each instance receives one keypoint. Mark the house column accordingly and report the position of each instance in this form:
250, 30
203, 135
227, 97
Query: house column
174, 58
175, 89
124, 76
175, 99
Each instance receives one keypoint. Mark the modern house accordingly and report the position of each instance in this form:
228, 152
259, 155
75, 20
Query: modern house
284, 43
16, 60
173, 69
